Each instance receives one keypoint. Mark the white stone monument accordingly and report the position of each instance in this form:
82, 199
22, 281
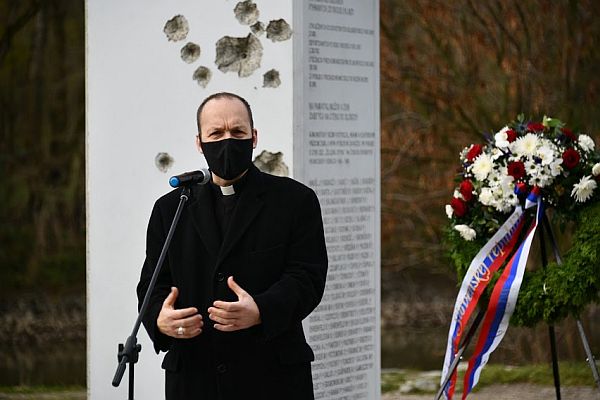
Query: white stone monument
310, 70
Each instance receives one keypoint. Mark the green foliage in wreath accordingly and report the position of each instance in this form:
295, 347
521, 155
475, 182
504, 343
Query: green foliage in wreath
564, 168
557, 291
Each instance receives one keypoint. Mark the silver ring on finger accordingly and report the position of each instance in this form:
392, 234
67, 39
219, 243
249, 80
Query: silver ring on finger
180, 330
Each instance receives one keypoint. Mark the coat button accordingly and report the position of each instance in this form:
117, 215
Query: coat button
220, 277
221, 368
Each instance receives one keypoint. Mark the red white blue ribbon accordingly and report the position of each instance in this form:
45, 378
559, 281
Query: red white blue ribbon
501, 306
491, 256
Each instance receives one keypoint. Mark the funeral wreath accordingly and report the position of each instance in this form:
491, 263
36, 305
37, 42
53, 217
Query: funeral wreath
560, 166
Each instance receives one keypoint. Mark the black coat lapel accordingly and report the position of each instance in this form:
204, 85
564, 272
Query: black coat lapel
202, 211
248, 206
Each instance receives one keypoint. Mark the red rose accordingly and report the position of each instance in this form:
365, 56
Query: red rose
511, 135
516, 169
569, 133
466, 189
570, 158
474, 151
535, 127
459, 207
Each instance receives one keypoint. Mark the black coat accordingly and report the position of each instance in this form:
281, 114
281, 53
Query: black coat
275, 251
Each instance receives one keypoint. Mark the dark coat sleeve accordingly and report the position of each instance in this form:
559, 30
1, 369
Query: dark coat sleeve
302, 283
155, 238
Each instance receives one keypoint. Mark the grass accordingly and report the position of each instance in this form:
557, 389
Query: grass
391, 381
571, 374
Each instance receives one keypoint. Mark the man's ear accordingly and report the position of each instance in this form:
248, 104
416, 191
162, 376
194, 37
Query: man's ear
254, 138
199, 144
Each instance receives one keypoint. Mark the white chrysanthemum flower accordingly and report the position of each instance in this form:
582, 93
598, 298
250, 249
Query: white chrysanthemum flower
526, 145
542, 175
596, 169
466, 232
496, 154
494, 177
486, 197
504, 206
482, 166
546, 152
531, 167
501, 138
543, 179
458, 195
507, 181
498, 191
502, 195
583, 190
586, 143
508, 188
556, 167
449, 210
509, 201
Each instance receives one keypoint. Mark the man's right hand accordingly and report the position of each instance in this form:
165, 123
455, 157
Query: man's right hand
180, 324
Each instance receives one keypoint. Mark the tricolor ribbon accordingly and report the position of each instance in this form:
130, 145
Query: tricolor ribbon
533, 197
501, 305
491, 256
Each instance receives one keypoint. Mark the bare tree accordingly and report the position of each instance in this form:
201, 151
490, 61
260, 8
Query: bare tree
42, 105
453, 71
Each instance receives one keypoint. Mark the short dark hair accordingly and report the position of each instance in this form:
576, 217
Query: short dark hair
223, 95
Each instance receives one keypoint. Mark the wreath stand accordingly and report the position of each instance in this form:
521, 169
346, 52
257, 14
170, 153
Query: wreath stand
545, 228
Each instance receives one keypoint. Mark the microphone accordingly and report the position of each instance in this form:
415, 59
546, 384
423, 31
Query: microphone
200, 177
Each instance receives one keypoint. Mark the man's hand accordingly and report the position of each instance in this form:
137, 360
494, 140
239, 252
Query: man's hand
181, 324
236, 315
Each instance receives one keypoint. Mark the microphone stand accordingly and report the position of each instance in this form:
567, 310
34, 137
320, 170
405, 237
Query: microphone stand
129, 353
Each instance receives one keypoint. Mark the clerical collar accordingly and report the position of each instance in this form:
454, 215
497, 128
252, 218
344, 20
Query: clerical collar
227, 190
236, 188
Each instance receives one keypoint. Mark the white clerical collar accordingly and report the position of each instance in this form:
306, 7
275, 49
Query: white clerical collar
227, 190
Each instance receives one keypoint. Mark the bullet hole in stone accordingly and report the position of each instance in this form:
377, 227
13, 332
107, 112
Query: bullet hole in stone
239, 54
190, 52
163, 161
279, 30
258, 28
246, 12
202, 75
271, 163
176, 28
271, 79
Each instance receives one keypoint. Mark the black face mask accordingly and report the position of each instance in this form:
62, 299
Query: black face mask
228, 158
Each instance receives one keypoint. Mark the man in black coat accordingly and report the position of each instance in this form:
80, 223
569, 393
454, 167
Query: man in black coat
246, 265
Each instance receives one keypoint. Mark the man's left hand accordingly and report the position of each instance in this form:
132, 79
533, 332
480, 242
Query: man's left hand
235, 315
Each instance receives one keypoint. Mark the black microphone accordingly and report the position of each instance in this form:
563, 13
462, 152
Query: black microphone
200, 177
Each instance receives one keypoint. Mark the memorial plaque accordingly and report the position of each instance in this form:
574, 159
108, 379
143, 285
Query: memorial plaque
337, 154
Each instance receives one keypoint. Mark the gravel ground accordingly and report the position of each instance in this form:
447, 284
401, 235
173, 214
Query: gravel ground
513, 392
